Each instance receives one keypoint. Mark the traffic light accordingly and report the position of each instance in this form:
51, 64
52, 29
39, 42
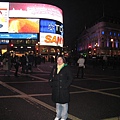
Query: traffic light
94, 50
89, 49
37, 49
11, 46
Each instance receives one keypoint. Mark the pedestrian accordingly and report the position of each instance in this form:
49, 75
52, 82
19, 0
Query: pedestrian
60, 79
16, 65
6, 65
104, 65
81, 66
27, 63
23, 63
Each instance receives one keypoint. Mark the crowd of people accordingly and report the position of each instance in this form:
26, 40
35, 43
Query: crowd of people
26, 62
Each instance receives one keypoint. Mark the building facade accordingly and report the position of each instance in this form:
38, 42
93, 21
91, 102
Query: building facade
103, 38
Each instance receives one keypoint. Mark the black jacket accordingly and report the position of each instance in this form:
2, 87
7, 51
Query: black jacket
60, 84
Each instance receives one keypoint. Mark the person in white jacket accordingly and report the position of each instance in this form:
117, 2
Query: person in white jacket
81, 66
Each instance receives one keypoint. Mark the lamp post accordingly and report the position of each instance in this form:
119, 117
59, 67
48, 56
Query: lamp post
96, 48
111, 46
39, 47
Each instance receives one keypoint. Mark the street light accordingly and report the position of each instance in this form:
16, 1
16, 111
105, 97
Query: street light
96, 48
111, 45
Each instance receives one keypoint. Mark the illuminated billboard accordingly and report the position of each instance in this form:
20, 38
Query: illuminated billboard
30, 20
4, 41
50, 39
17, 36
4, 8
51, 26
17, 25
34, 10
51, 32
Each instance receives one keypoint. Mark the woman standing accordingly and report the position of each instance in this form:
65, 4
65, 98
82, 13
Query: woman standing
60, 80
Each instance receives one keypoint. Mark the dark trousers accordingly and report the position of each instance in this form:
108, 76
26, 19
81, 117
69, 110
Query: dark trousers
16, 70
80, 71
23, 68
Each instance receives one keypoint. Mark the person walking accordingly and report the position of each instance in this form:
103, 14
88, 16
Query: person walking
16, 65
60, 79
105, 60
23, 63
6, 65
81, 66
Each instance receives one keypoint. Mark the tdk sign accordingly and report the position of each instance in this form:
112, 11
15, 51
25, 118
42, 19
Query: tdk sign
51, 26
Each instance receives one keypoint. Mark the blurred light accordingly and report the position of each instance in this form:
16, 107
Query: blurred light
28, 47
89, 46
36, 48
111, 40
11, 45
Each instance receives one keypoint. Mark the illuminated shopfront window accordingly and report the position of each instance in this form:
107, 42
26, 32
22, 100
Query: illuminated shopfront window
52, 50
28, 41
44, 50
18, 41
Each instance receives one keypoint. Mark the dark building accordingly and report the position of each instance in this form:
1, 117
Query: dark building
101, 38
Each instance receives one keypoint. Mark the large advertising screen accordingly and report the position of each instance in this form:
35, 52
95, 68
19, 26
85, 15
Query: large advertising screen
51, 26
17, 25
34, 10
4, 42
51, 32
51, 39
4, 8
17, 36
28, 20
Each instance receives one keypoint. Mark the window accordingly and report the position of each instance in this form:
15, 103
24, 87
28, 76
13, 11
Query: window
44, 50
116, 44
110, 33
103, 32
114, 34
52, 50
28, 41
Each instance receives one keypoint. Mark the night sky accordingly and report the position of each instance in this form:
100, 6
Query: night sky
80, 13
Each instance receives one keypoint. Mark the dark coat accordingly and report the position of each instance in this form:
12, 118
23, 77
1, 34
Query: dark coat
60, 84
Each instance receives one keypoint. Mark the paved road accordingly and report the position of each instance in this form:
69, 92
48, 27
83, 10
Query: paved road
28, 97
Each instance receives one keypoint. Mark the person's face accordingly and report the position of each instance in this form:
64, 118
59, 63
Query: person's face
59, 61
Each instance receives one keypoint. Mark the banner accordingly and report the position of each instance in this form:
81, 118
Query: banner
51, 39
4, 8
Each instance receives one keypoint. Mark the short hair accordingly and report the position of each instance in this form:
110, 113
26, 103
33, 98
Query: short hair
64, 60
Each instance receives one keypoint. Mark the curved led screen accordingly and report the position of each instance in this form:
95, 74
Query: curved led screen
34, 10
17, 25
4, 8
30, 20
51, 39
17, 36
51, 26
51, 32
